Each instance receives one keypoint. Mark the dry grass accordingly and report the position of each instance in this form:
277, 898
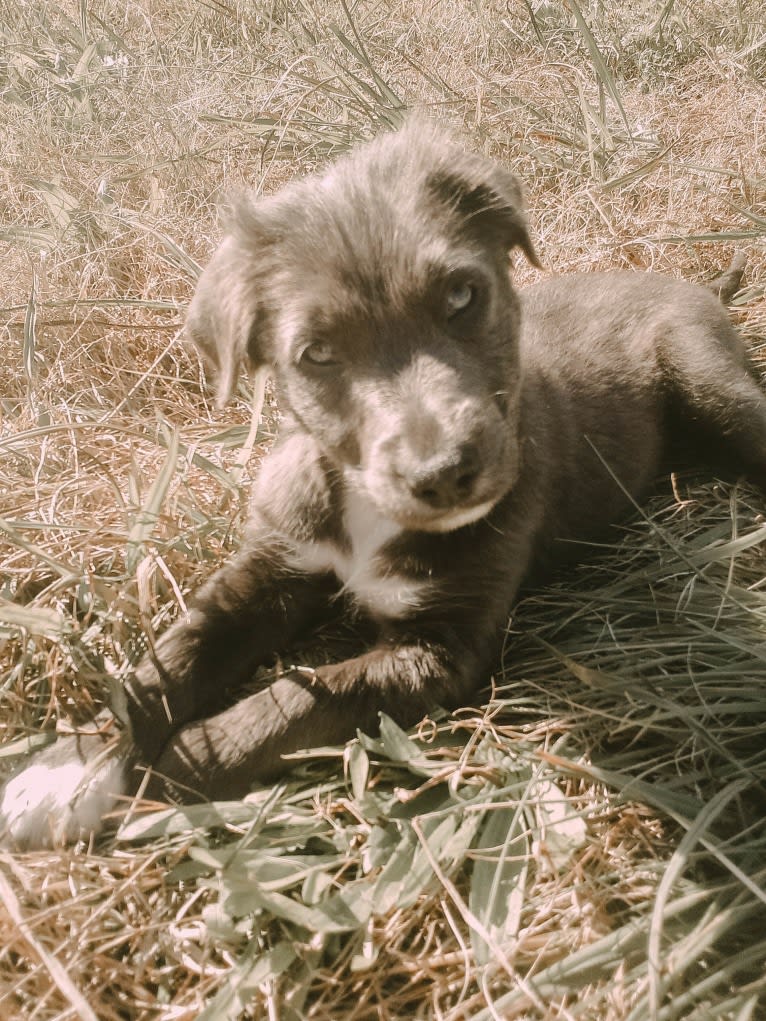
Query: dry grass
590, 842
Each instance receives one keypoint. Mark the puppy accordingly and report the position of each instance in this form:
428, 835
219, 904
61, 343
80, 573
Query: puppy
444, 436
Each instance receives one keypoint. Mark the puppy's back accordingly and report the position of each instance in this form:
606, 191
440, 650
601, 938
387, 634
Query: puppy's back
605, 374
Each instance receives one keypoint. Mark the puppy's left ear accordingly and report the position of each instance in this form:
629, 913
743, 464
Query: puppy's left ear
489, 199
223, 320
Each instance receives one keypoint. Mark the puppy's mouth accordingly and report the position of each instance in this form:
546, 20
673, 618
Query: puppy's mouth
448, 520
415, 515
449, 486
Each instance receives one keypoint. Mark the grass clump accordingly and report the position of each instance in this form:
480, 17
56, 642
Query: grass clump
588, 840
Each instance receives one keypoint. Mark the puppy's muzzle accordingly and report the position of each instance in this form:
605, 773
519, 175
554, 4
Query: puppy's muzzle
452, 482
445, 481
436, 450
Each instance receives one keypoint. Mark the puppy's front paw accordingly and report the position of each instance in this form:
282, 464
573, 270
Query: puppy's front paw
63, 794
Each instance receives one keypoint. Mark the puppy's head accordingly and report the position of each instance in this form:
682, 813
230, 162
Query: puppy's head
379, 293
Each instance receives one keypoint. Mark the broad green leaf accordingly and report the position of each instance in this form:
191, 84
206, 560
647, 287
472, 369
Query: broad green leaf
499, 878
269, 871
344, 911
561, 829
395, 742
358, 765
253, 970
408, 872
398, 870
172, 821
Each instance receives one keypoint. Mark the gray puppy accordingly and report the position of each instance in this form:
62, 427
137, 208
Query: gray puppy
444, 436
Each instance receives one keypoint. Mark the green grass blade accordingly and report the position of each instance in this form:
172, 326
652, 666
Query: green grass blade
603, 74
147, 517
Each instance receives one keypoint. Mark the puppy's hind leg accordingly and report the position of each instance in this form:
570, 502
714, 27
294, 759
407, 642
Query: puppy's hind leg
714, 397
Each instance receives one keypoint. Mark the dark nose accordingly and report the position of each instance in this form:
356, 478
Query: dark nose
447, 481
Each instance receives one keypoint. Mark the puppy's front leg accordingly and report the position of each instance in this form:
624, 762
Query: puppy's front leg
253, 607
223, 756
246, 612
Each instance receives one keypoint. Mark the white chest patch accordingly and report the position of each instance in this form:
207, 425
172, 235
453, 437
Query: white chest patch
365, 575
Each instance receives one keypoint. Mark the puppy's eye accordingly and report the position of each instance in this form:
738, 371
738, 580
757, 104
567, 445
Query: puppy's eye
458, 298
319, 354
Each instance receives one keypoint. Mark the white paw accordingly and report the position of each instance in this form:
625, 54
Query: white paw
58, 799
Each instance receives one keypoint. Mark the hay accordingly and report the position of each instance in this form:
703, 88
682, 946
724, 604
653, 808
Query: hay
588, 840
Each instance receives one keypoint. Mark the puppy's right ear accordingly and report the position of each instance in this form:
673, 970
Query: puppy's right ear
223, 316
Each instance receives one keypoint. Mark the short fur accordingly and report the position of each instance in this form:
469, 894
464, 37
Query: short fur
444, 436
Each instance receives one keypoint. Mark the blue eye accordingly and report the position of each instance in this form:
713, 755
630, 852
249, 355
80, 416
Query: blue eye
319, 354
458, 298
